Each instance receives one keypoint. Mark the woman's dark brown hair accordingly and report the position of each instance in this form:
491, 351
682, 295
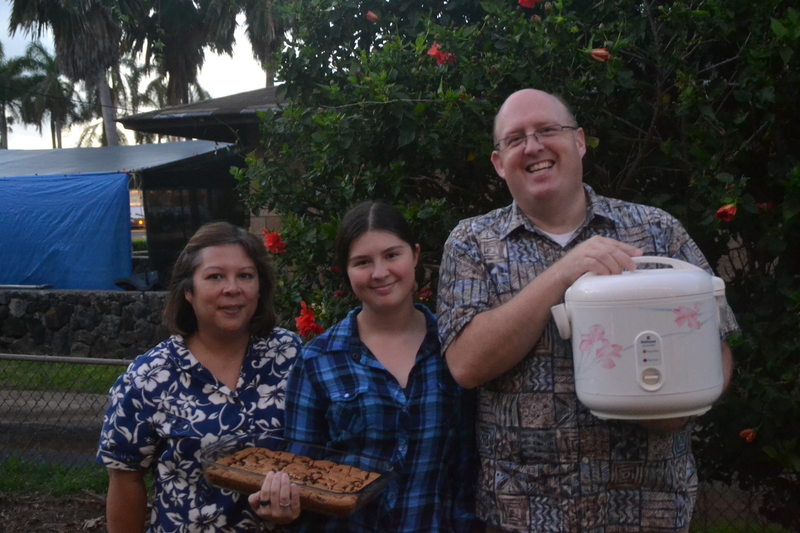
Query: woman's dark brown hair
178, 313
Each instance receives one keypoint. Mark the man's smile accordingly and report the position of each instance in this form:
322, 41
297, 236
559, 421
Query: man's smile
540, 165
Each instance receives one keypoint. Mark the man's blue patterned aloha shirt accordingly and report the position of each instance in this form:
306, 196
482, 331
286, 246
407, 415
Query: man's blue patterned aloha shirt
167, 406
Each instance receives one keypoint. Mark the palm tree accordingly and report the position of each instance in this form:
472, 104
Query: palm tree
267, 23
93, 134
86, 38
13, 91
126, 80
50, 95
173, 37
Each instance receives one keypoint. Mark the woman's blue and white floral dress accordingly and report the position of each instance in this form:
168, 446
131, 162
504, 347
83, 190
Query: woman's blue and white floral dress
167, 406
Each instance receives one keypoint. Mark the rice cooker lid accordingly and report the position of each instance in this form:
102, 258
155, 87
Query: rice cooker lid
641, 284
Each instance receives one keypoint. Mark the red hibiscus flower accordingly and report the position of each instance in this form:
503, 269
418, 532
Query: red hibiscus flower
726, 212
273, 242
372, 17
441, 57
305, 323
601, 55
747, 435
528, 3
766, 207
338, 294
335, 269
425, 294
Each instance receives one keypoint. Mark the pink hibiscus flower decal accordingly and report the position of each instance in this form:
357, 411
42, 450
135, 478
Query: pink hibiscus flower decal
607, 352
596, 334
687, 316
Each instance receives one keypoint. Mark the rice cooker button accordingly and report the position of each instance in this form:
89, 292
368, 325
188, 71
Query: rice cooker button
651, 378
648, 349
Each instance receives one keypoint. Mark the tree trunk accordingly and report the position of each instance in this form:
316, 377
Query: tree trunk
57, 134
3, 128
109, 113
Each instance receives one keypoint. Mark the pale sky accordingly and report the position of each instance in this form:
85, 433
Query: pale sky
220, 76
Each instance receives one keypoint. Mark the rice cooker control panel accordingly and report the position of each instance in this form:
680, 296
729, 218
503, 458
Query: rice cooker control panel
648, 361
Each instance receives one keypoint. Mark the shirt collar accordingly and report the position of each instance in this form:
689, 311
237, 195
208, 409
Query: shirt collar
347, 340
515, 218
597, 206
184, 359
180, 355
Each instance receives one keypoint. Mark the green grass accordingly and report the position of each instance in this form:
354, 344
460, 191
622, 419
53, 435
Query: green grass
58, 377
139, 245
17, 475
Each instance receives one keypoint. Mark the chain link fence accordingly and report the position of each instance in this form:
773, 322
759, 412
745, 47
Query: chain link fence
51, 408
51, 412
723, 508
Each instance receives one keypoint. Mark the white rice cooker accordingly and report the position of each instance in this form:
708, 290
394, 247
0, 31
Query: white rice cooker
645, 343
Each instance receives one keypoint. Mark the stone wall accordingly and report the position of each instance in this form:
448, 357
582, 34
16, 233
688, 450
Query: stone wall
99, 324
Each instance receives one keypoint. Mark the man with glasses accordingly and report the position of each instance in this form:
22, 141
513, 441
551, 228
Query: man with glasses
547, 464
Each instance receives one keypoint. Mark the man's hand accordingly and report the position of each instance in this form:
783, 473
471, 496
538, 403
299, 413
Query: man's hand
664, 425
475, 356
667, 425
599, 255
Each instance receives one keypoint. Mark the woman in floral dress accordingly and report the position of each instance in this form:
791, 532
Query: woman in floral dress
222, 372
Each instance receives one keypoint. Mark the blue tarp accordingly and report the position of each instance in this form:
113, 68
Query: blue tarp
68, 231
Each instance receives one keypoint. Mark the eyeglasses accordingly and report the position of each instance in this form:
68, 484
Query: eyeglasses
547, 132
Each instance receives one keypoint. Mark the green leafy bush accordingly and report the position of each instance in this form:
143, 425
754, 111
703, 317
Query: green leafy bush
139, 245
688, 105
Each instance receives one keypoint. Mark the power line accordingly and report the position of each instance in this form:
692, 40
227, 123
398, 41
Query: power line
83, 102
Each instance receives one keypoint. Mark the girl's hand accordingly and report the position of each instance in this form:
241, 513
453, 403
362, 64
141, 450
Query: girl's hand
278, 500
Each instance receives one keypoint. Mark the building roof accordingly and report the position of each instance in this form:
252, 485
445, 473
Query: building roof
225, 119
107, 159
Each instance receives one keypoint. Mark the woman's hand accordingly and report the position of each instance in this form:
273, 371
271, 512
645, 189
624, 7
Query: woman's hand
278, 501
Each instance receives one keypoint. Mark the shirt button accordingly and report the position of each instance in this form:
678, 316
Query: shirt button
585, 460
346, 395
355, 357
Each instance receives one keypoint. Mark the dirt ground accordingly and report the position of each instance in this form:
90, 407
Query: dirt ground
85, 512
53, 514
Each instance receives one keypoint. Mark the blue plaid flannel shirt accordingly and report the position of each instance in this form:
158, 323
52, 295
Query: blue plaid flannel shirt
340, 396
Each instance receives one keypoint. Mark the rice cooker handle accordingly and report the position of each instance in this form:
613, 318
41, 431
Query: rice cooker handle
561, 317
719, 296
676, 264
